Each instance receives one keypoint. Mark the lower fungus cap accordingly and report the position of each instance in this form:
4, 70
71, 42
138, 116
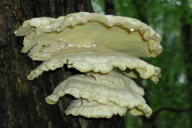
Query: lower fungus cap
103, 88
93, 109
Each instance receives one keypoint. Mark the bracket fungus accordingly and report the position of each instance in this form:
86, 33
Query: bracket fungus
97, 59
87, 29
94, 44
104, 88
92, 109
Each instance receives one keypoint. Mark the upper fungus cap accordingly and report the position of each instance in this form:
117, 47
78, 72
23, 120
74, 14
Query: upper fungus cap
122, 34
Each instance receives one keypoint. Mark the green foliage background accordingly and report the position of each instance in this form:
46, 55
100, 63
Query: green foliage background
174, 90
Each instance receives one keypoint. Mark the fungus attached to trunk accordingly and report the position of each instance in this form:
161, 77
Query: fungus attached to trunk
94, 44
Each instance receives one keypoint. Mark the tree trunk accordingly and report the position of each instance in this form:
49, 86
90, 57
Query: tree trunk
187, 46
22, 102
109, 7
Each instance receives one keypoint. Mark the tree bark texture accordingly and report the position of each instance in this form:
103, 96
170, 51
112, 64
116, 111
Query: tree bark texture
187, 46
109, 7
22, 102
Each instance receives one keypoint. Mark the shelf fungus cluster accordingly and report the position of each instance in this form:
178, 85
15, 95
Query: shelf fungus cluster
94, 44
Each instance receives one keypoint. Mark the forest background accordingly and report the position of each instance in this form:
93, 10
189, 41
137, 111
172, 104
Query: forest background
22, 103
171, 98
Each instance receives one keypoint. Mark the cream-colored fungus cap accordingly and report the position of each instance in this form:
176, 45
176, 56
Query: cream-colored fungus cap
104, 88
121, 34
115, 78
97, 59
93, 109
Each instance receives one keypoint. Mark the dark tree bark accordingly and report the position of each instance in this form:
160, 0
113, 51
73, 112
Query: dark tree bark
187, 46
139, 6
109, 7
22, 103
